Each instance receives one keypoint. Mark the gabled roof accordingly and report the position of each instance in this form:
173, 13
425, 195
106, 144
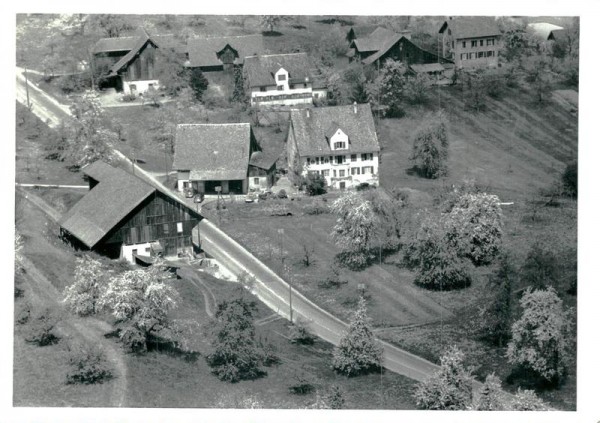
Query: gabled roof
213, 151
104, 206
107, 45
141, 42
542, 29
203, 51
472, 27
263, 160
260, 70
332, 129
558, 34
311, 131
376, 40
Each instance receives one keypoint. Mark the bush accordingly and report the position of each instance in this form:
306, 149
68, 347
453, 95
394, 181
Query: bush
213, 100
299, 334
87, 367
41, 330
569, 179
127, 98
282, 194
332, 278
315, 208
315, 184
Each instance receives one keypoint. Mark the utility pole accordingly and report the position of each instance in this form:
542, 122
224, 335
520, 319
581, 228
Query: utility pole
198, 226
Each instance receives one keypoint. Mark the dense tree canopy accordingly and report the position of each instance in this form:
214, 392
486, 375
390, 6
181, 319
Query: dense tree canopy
358, 351
430, 146
490, 398
236, 355
449, 388
541, 337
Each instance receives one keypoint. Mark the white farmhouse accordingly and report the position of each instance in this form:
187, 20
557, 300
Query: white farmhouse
339, 143
281, 80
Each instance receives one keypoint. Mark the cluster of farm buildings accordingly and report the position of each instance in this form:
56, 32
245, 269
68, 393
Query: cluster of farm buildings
339, 142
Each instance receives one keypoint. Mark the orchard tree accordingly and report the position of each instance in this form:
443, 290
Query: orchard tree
269, 22
89, 138
495, 318
415, 88
315, 184
527, 400
541, 267
140, 300
430, 146
541, 338
490, 396
355, 228
540, 77
439, 267
358, 352
169, 70
388, 88
450, 388
235, 353
475, 226
83, 295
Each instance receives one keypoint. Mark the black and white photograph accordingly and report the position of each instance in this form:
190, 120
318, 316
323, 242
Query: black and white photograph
301, 211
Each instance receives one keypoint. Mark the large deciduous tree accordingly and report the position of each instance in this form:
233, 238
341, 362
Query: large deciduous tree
355, 228
270, 22
140, 300
236, 355
358, 351
82, 296
527, 400
388, 88
449, 388
198, 83
89, 137
475, 226
490, 396
430, 146
174, 77
541, 338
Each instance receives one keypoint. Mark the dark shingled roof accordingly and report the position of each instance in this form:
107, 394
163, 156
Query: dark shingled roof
558, 35
263, 160
376, 40
139, 45
311, 131
107, 45
213, 152
472, 27
203, 51
104, 206
261, 69
98, 170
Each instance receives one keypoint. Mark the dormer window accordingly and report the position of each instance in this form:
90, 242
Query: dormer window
281, 77
339, 145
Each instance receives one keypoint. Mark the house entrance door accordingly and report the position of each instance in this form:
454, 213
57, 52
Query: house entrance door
342, 185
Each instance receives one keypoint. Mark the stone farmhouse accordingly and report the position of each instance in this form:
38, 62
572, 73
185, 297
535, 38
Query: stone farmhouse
338, 143
122, 216
471, 41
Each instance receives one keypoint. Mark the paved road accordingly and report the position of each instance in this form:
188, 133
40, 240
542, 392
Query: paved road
51, 186
275, 293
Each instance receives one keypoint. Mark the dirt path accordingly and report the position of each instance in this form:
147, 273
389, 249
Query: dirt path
210, 301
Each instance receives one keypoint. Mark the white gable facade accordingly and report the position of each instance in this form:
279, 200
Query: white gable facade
284, 93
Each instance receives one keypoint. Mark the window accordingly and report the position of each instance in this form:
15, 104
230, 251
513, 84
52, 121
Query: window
463, 56
474, 43
353, 158
281, 77
339, 159
480, 54
481, 43
280, 88
326, 160
452, 43
464, 43
471, 56
334, 173
355, 171
263, 89
325, 172
165, 228
308, 160
366, 156
179, 227
367, 169
490, 42
256, 181
342, 173
305, 85
339, 145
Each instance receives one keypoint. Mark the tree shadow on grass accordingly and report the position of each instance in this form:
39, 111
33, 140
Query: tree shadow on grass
417, 171
271, 34
170, 348
528, 379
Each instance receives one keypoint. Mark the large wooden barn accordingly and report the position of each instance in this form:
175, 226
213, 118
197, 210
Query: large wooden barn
124, 217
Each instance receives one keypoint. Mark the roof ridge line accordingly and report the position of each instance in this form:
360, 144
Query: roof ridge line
213, 124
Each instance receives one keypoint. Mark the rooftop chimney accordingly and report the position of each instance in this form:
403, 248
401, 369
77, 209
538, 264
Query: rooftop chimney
406, 33
307, 112
355, 108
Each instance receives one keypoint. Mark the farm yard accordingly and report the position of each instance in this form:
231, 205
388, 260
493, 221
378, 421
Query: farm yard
512, 145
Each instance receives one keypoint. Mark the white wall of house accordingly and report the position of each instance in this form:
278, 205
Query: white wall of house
286, 94
259, 183
363, 167
467, 52
140, 86
127, 251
